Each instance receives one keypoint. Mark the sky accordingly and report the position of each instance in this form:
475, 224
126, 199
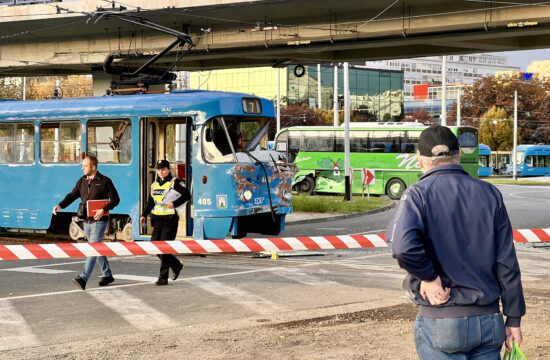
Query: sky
523, 58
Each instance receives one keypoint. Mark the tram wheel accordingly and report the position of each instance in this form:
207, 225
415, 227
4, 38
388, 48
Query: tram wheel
75, 232
306, 186
395, 188
127, 232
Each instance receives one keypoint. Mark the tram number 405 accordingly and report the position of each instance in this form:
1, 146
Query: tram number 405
205, 201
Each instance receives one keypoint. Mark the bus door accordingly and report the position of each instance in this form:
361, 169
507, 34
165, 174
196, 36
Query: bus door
170, 139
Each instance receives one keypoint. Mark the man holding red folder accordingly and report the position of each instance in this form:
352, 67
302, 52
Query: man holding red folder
92, 186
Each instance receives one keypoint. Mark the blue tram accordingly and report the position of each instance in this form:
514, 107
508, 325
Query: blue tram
210, 138
532, 160
485, 161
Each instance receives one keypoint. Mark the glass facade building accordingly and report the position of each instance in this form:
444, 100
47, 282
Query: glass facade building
378, 92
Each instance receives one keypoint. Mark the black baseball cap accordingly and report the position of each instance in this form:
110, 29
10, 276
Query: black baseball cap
437, 135
161, 164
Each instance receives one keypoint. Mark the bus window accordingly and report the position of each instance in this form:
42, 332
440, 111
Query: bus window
60, 142
110, 141
293, 146
17, 142
319, 141
467, 139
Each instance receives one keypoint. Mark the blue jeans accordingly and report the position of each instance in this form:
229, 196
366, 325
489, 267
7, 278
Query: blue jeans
94, 233
474, 337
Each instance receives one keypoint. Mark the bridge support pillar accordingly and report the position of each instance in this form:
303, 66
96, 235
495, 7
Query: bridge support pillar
102, 81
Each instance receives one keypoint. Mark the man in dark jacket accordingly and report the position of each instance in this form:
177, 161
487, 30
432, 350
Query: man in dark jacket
93, 186
452, 234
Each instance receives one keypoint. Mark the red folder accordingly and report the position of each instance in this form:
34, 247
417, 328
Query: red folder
95, 205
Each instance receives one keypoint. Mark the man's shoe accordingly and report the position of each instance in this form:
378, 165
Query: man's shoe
161, 282
176, 272
106, 280
80, 283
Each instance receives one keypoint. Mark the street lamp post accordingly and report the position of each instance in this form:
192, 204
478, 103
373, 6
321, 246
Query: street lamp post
514, 152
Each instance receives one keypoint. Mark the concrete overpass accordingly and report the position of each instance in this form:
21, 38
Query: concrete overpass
55, 37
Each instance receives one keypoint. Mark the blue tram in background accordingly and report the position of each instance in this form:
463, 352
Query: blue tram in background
532, 160
485, 161
210, 138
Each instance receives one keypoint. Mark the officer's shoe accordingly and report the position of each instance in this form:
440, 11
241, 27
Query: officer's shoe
176, 272
161, 282
106, 280
80, 283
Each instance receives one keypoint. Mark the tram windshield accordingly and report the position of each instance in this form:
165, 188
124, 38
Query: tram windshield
228, 139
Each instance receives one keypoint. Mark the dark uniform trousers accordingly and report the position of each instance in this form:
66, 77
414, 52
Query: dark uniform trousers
166, 229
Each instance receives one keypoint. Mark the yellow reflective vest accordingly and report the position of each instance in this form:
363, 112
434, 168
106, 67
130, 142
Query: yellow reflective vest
158, 192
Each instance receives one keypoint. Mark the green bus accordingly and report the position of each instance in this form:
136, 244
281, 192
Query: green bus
387, 148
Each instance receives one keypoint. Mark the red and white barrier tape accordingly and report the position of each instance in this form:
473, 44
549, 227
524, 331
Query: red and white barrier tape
77, 250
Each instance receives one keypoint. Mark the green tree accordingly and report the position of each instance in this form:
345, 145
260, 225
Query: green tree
533, 104
11, 88
496, 130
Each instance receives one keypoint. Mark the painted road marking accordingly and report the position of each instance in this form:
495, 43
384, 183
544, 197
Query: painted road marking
15, 333
135, 277
132, 309
301, 277
112, 287
252, 302
36, 270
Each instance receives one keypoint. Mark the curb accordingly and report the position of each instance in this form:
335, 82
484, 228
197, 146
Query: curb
345, 216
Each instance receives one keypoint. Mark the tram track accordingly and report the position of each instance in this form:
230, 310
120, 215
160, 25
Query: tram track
25, 240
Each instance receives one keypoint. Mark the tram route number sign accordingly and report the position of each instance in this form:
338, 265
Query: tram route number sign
367, 178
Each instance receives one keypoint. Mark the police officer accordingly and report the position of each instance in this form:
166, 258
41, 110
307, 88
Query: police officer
164, 217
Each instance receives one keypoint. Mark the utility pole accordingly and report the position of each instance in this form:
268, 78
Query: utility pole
335, 95
346, 130
514, 156
458, 107
278, 99
444, 91
319, 86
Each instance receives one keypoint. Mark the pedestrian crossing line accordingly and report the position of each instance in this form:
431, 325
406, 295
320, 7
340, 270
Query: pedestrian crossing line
252, 302
15, 333
36, 270
132, 309
303, 278
135, 277
383, 274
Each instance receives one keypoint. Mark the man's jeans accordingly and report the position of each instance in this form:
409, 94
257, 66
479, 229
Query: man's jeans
94, 233
474, 337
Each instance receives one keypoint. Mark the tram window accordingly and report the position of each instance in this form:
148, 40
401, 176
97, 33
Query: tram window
60, 142
241, 131
529, 161
110, 140
174, 142
151, 144
17, 142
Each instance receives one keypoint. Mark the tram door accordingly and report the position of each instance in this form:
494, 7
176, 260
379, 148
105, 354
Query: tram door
170, 139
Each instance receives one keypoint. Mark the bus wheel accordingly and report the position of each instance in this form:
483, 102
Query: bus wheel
306, 186
395, 188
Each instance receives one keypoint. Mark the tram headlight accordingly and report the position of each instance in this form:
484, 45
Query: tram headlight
247, 195
287, 195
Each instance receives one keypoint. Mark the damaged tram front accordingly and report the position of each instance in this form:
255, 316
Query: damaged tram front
241, 187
